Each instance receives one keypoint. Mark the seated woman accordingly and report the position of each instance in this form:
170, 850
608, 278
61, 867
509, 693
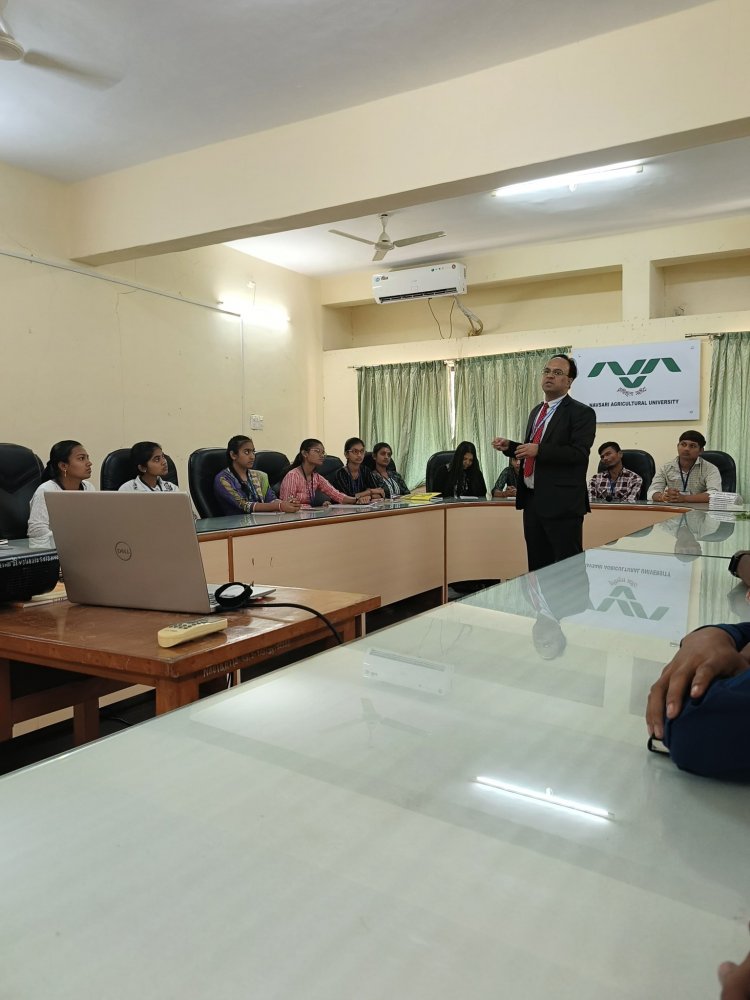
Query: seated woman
388, 479
69, 468
241, 489
462, 477
354, 478
302, 481
507, 481
150, 465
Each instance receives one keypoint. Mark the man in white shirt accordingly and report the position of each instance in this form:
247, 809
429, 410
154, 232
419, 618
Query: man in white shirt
687, 478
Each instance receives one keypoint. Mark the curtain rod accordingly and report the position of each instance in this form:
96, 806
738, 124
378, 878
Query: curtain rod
359, 368
714, 336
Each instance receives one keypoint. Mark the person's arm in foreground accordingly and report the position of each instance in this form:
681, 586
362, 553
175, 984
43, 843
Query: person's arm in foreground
703, 656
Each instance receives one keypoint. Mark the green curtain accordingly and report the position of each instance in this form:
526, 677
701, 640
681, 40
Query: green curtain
494, 395
409, 407
729, 403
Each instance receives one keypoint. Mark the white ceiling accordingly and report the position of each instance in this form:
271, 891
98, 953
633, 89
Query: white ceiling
708, 181
146, 78
108, 84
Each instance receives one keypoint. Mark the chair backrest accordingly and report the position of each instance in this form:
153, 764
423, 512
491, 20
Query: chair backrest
642, 463
203, 466
434, 462
330, 465
727, 469
117, 469
20, 474
274, 464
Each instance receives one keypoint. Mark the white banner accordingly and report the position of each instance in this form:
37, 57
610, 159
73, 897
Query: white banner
643, 382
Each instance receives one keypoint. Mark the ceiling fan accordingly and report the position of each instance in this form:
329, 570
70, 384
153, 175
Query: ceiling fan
12, 50
384, 243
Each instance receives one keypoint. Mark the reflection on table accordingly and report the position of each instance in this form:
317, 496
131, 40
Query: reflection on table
696, 532
455, 806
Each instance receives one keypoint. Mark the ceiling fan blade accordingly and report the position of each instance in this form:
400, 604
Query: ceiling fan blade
379, 254
417, 239
337, 232
81, 74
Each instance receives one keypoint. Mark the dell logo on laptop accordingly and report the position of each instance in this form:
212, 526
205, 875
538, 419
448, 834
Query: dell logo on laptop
123, 551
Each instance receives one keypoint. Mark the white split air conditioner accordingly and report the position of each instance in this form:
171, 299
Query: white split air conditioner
427, 282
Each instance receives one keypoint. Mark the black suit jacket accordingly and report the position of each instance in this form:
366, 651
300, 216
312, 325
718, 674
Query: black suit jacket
560, 488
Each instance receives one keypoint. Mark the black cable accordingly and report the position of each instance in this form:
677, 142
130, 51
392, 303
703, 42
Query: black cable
303, 607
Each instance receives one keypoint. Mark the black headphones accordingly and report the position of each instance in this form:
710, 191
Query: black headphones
231, 596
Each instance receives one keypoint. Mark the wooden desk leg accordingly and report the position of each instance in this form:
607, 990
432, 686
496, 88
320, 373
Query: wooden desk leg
347, 630
6, 716
360, 626
175, 694
86, 721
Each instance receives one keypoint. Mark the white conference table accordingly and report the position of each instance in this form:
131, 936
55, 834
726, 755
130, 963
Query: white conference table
321, 833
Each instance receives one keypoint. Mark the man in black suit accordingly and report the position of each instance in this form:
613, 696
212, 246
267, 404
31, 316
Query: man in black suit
552, 491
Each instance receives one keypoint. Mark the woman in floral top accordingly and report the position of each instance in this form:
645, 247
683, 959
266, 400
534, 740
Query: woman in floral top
241, 489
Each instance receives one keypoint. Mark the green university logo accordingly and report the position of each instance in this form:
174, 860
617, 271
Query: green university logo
636, 375
624, 600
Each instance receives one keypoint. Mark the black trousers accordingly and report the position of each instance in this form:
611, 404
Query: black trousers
550, 539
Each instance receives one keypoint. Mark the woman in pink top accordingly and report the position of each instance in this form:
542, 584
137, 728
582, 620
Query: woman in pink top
303, 481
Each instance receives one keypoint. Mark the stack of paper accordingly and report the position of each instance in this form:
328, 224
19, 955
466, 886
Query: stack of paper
724, 501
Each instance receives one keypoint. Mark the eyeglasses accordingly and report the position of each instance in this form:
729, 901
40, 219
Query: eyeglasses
320, 451
557, 372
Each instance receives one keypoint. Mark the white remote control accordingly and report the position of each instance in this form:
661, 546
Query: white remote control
173, 635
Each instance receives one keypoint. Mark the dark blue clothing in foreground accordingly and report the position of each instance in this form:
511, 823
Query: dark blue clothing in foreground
711, 735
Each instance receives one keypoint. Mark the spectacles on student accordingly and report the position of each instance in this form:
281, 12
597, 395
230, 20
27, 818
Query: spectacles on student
557, 372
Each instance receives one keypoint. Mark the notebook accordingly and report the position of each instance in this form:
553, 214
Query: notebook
131, 550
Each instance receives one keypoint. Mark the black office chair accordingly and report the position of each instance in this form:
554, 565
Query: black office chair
203, 466
642, 463
117, 469
275, 464
727, 469
434, 463
20, 474
331, 464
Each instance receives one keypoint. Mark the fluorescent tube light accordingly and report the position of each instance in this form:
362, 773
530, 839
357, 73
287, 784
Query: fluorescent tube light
546, 798
572, 180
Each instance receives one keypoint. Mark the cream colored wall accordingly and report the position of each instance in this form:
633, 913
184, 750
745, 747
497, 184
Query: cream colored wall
520, 306
406, 332
707, 286
108, 364
670, 83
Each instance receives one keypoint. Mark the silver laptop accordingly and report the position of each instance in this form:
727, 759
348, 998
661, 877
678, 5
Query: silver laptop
131, 550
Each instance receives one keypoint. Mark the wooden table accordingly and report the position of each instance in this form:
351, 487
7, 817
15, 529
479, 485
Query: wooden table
406, 550
119, 645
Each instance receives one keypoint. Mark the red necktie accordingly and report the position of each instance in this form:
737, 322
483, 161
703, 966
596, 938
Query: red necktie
536, 437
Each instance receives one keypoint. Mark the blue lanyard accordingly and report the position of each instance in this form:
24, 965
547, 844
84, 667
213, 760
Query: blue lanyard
542, 420
685, 478
612, 486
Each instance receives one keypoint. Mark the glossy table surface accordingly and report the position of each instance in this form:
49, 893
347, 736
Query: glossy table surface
694, 532
322, 833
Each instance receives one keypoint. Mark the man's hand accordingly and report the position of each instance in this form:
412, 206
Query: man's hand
500, 444
735, 980
527, 450
704, 655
